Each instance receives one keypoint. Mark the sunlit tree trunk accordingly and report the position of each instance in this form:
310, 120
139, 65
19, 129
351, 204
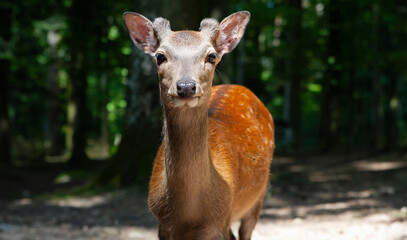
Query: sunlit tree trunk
51, 128
104, 114
394, 101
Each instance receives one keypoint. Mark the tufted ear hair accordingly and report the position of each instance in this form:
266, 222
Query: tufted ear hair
231, 30
162, 28
141, 31
209, 28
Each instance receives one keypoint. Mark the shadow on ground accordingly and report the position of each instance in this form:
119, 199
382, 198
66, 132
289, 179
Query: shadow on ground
308, 195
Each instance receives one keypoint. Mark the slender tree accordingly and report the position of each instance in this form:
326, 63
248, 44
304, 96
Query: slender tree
394, 101
53, 104
5, 33
329, 104
378, 108
394, 52
78, 42
294, 68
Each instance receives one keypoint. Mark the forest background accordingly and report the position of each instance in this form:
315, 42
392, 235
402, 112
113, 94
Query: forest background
74, 89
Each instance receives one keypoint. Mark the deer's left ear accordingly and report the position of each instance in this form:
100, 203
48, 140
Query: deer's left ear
231, 30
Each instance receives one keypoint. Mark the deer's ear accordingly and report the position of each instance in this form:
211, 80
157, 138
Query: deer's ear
231, 30
141, 32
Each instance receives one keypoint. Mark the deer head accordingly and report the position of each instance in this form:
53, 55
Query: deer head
186, 60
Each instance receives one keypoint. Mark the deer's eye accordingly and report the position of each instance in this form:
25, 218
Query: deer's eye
160, 58
212, 58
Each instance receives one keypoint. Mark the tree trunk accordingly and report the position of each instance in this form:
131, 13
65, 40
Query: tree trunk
378, 109
79, 99
78, 43
393, 129
53, 99
295, 69
5, 145
329, 105
4, 120
104, 114
393, 45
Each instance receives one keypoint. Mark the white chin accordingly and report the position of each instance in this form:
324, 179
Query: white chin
192, 102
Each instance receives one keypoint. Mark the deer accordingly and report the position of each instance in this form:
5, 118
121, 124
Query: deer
213, 165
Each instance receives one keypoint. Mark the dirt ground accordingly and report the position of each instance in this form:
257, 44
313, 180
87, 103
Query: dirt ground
314, 197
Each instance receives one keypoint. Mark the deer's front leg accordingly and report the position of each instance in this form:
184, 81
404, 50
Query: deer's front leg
163, 233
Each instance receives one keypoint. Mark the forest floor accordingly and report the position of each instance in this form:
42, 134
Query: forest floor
313, 197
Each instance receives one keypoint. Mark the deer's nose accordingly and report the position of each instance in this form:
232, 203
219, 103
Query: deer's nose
186, 88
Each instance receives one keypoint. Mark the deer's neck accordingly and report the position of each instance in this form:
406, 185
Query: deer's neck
187, 158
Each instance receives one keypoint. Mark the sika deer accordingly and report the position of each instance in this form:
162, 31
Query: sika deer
213, 165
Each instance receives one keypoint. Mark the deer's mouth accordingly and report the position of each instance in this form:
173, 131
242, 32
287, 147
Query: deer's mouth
190, 102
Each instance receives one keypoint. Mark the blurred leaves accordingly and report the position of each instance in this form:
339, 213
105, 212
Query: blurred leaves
354, 64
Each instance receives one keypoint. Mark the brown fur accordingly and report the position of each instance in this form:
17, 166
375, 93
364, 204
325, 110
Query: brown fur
182, 38
239, 132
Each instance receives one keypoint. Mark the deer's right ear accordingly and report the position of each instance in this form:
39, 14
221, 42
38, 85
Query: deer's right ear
141, 32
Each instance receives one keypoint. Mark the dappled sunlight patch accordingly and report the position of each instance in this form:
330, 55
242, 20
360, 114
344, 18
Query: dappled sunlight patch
354, 204
327, 198
68, 231
400, 214
72, 201
137, 233
362, 194
89, 198
379, 218
366, 165
23, 202
374, 225
284, 160
362, 206
81, 202
278, 213
320, 177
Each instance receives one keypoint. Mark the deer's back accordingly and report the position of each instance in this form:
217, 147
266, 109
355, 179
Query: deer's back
242, 143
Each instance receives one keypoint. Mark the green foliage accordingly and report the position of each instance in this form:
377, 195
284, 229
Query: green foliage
350, 67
